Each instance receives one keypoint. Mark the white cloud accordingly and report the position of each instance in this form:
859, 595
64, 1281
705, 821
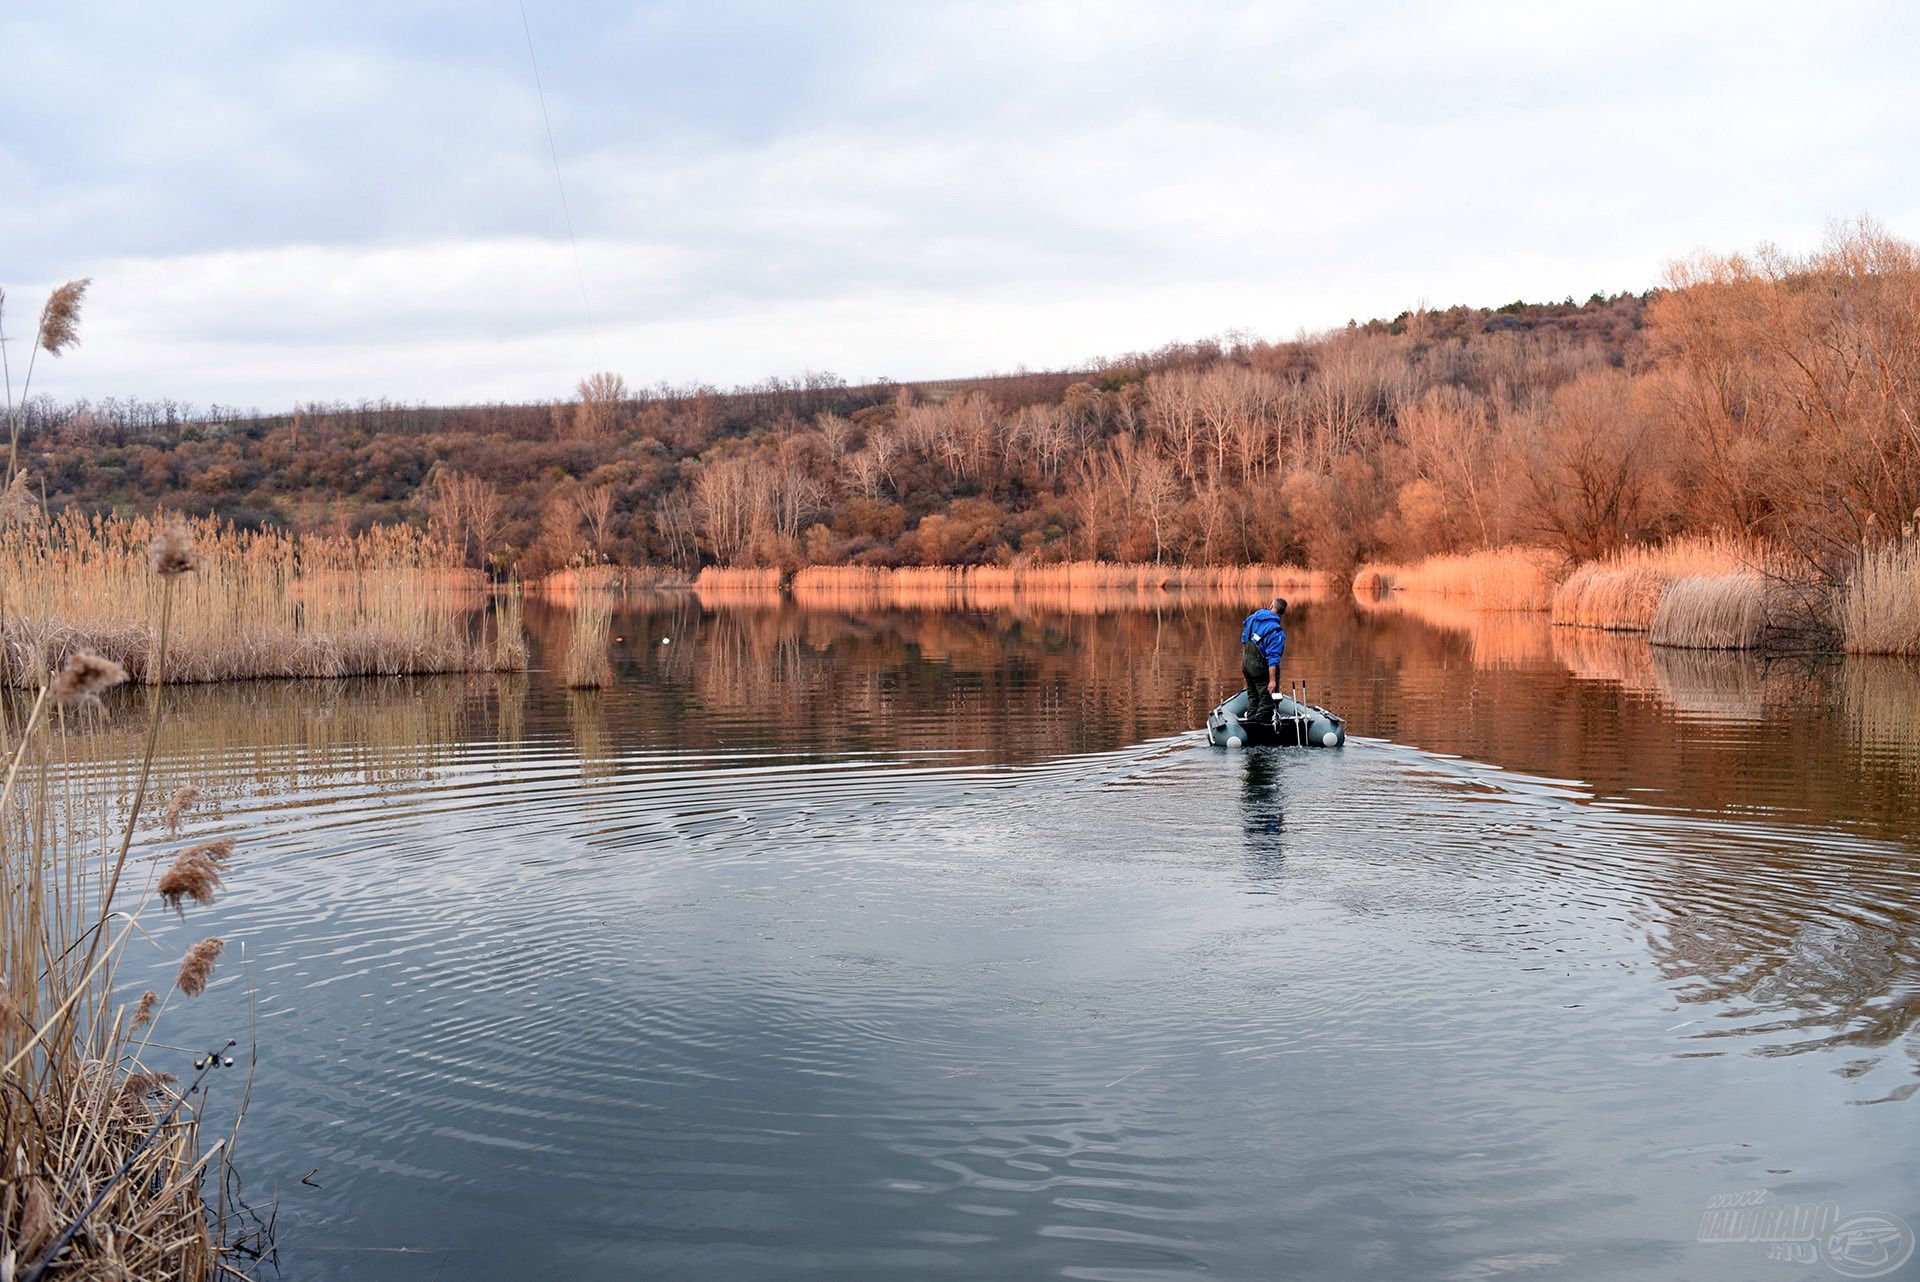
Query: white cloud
358, 202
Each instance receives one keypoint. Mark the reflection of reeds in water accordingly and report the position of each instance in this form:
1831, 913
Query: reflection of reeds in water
1081, 587
1712, 684
510, 712
587, 719
1508, 578
1880, 700
1497, 639
285, 737
386, 601
1626, 661
588, 664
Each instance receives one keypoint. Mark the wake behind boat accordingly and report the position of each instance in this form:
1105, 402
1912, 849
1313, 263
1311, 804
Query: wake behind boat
1293, 725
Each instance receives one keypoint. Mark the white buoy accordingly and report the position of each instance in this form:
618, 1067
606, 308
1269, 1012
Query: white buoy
666, 640
1331, 739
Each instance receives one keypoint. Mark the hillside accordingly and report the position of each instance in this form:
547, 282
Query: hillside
815, 470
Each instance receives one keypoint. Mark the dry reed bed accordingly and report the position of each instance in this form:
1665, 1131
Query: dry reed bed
589, 666
101, 1163
1714, 612
1622, 592
1879, 609
388, 601
1506, 578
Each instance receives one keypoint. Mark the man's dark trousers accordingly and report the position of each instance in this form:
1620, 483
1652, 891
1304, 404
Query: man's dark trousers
1253, 665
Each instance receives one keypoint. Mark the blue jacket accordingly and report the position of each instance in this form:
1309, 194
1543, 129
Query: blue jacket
1264, 627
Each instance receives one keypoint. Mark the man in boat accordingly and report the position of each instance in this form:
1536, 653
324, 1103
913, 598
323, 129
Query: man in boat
1263, 639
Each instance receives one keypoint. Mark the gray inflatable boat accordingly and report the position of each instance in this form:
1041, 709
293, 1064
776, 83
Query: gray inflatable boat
1293, 725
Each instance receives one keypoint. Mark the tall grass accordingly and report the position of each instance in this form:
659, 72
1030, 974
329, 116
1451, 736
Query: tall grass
509, 631
1879, 605
588, 664
1507, 578
388, 601
1620, 593
1712, 612
101, 1168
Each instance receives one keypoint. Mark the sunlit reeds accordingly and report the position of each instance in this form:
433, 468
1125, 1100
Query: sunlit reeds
1620, 592
1506, 578
1712, 612
387, 601
1879, 607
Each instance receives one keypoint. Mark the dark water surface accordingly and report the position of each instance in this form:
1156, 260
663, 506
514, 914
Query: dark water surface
938, 944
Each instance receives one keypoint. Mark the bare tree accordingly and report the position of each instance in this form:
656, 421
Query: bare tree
603, 399
595, 505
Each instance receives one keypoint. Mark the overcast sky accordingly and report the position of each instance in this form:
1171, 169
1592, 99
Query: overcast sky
345, 200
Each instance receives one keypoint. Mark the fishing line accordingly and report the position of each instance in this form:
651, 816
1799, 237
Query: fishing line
565, 211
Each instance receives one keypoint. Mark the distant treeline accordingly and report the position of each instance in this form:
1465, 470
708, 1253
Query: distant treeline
1766, 396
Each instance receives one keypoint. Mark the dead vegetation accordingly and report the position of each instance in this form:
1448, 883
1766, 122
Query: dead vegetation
387, 601
102, 1169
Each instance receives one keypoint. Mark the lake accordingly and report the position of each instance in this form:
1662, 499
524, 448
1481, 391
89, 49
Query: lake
938, 944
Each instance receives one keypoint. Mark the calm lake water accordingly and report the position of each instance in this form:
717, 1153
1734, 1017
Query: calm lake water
938, 944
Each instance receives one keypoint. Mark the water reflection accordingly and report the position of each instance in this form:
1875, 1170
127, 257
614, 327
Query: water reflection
856, 943
1264, 812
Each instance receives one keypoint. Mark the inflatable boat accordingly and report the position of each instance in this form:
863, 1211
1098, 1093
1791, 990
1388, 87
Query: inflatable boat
1294, 725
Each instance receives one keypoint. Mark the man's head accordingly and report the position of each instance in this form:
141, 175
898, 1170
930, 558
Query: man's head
1279, 606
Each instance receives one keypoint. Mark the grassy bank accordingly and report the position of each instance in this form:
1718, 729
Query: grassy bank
388, 601
102, 1168
1717, 593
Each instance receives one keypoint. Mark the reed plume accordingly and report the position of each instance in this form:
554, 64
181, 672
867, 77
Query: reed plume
196, 968
143, 1013
82, 678
16, 505
172, 551
183, 799
195, 874
60, 318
